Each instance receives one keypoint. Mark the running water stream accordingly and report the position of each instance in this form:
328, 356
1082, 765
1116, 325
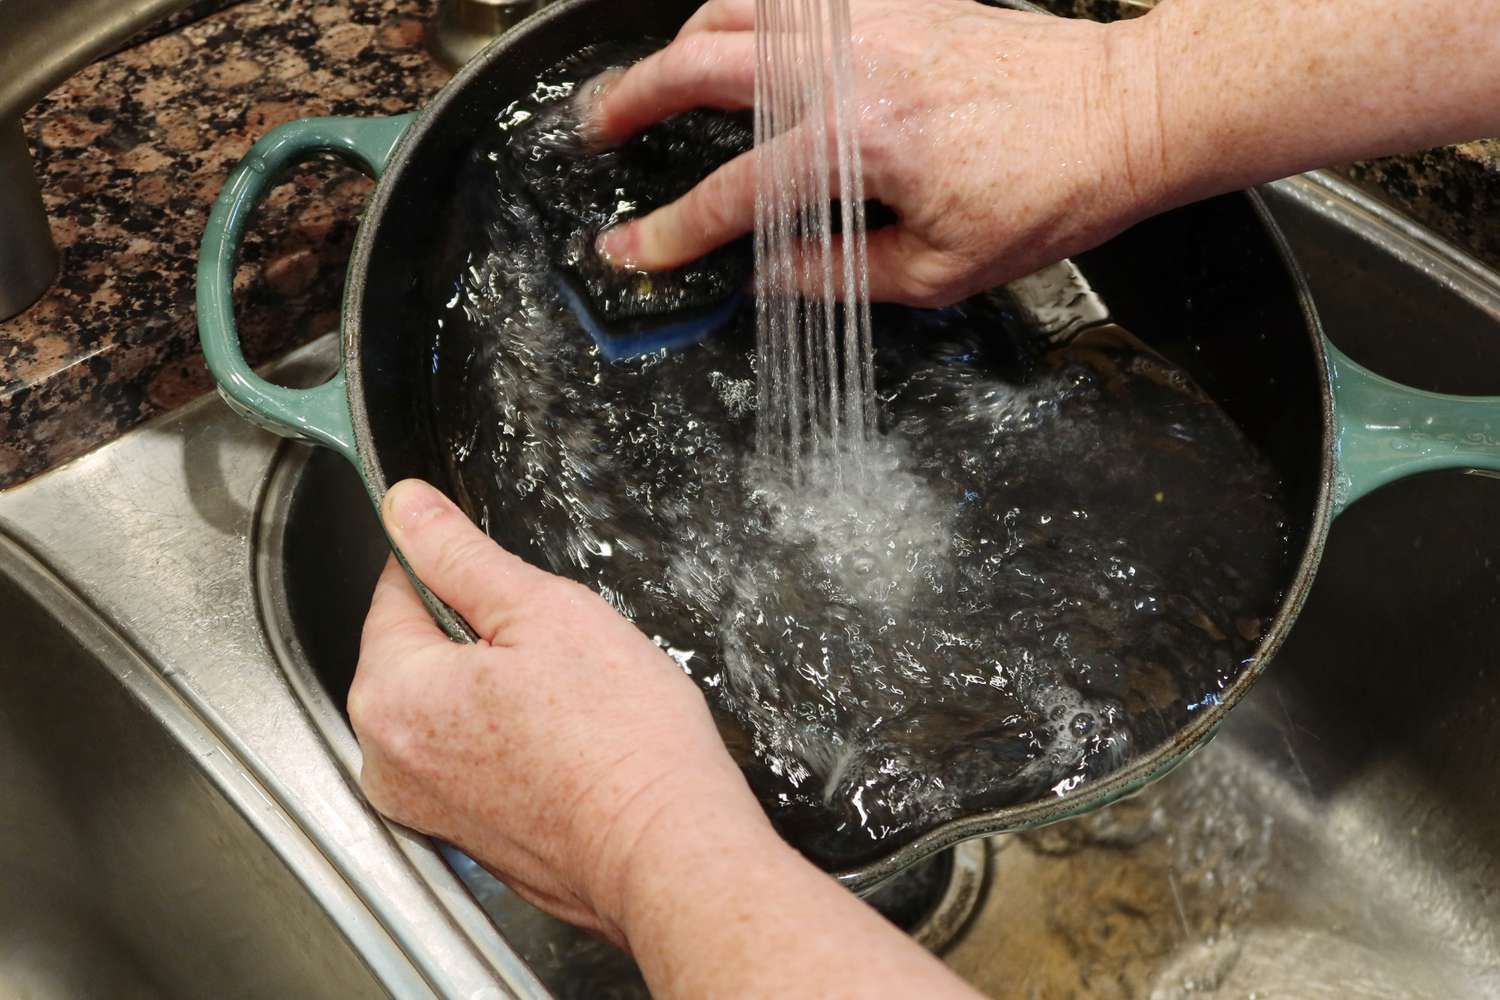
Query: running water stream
815, 373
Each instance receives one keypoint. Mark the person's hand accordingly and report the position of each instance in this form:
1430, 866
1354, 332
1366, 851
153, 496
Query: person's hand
1003, 141
575, 760
556, 749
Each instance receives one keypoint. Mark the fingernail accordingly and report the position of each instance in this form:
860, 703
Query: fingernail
588, 107
411, 504
617, 245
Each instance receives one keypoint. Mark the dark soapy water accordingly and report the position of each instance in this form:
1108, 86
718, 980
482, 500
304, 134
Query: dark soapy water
1044, 562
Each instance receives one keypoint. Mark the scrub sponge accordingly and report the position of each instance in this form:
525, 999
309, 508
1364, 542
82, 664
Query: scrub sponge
554, 181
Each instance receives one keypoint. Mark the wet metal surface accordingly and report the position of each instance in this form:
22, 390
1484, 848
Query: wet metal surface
155, 534
1341, 837
137, 857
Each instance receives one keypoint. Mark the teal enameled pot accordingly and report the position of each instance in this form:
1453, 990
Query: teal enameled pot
1212, 286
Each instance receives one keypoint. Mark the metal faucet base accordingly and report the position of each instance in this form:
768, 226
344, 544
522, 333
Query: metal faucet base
463, 27
28, 257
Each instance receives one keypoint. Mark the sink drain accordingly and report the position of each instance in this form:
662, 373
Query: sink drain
933, 901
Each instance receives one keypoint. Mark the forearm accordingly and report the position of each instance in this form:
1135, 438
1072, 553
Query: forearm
1248, 92
739, 914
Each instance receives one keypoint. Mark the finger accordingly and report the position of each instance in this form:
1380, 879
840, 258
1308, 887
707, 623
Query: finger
460, 564
399, 637
397, 615
717, 211
721, 15
900, 267
700, 70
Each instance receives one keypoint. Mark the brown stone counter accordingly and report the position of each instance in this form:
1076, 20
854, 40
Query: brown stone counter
131, 153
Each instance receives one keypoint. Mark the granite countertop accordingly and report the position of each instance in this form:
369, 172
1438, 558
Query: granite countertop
132, 151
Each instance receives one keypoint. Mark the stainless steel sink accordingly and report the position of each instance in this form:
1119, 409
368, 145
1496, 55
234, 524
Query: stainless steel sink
1340, 838
171, 822
133, 854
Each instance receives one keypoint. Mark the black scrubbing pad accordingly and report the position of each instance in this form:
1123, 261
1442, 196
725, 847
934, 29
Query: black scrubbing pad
572, 193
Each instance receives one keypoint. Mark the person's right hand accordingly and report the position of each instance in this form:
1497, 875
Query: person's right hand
1006, 141
1003, 141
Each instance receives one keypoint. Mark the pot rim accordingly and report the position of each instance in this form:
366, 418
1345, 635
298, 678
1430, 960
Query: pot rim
1134, 775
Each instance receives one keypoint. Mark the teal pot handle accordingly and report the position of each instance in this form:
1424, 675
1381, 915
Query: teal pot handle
320, 415
1386, 431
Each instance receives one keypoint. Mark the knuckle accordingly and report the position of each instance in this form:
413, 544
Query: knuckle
369, 710
357, 704
459, 554
926, 281
398, 744
382, 723
921, 296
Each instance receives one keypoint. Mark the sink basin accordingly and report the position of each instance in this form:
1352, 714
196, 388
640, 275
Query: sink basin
132, 863
1340, 838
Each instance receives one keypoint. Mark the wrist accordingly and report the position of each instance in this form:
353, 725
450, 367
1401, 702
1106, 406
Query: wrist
703, 855
1156, 173
1237, 94
675, 841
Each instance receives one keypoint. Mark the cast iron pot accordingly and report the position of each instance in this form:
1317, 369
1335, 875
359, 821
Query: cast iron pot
1212, 286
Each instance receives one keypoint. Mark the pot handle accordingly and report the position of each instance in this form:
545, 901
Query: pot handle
1386, 431
320, 415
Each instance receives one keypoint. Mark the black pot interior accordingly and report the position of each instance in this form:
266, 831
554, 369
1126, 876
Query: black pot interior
1209, 286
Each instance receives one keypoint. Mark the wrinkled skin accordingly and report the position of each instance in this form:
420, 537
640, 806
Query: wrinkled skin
1003, 141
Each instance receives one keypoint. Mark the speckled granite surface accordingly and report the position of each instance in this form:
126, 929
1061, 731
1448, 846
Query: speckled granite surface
133, 150
131, 153
1454, 191
195, 11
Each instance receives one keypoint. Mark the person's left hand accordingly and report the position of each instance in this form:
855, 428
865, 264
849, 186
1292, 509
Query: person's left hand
560, 751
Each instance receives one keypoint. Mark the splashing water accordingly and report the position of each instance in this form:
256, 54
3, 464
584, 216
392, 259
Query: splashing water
815, 371
1045, 562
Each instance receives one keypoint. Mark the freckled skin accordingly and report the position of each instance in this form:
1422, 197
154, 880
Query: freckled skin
959, 105
1005, 141
570, 755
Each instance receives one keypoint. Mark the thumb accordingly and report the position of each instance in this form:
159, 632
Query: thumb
459, 563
